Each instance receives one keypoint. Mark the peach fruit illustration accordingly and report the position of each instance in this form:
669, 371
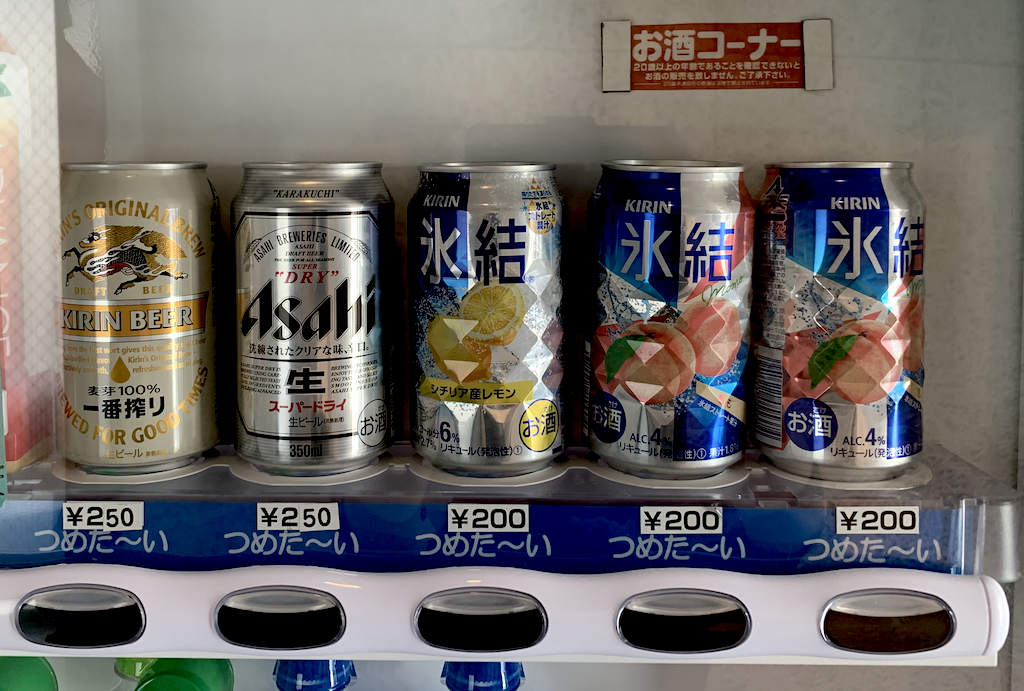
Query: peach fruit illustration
871, 367
799, 348
909, 328
603, 340
713, 330
654, 362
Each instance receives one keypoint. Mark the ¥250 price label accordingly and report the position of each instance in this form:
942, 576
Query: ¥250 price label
680, 520
108, 516
888, 520
489, 518
303, 517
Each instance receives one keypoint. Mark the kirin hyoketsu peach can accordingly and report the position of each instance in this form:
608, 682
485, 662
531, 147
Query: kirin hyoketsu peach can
667, 357
839, 319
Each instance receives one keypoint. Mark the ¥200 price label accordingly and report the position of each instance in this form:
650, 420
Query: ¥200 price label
108, 516
887, 520
488, 518
681, 520
303, 517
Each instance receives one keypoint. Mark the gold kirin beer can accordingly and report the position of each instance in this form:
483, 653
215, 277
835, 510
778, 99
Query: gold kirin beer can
138, 390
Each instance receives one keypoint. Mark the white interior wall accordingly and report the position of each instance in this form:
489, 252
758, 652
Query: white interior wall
937, 82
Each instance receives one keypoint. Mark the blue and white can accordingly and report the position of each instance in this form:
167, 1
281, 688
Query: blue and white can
669, 346
839, 319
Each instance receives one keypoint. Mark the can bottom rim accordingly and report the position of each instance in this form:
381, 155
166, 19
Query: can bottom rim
817, 471
674, 470
138, 469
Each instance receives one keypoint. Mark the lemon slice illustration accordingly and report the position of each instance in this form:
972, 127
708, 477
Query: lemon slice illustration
497, 310
459, 357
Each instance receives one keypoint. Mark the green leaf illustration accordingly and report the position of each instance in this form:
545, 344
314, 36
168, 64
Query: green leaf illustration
618, 352
827, 355
4, 91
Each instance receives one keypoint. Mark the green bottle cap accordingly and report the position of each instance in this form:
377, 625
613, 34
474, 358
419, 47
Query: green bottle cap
133, 667
26, 674
171, 682
187, 675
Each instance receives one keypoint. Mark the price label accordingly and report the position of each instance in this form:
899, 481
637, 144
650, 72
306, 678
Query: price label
300, 517
488, 518
108, 516
888, 520
680, 520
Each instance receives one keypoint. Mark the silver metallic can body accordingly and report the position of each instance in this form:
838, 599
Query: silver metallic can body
839, 319
667, 356
314, 352
138, 390
485, 254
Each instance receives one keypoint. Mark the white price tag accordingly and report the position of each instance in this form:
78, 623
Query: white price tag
301, 517
108, 516
680, 520
886, 520
488, 518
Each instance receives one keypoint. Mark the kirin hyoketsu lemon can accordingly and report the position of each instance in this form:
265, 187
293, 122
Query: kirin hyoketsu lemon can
839, 319
484, 253
669, 348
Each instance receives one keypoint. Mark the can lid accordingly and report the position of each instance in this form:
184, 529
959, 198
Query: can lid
673, 166
483, 676
314, 675
486, 167
135, 165
841, 164
296, 166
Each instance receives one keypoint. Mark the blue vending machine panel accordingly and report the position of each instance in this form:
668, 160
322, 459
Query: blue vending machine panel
578, 517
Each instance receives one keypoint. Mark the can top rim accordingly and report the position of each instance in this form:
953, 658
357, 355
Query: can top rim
658, 165
841, 164
486, 167
312, 165
134, 165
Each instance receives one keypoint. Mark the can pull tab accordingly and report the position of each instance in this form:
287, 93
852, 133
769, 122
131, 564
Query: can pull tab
481, 620
683, 621
887, 621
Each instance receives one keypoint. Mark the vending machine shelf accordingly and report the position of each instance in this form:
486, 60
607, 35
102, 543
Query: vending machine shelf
574, 562
575, 517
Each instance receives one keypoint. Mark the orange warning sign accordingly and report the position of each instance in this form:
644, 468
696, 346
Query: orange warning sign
717, 56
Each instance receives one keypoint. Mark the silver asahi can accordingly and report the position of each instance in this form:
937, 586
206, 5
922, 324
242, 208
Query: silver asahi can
138, 391
485, 252
314, 352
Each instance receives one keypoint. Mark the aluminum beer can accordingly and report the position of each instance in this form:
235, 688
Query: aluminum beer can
138, 391
314, 351
666, 360
839, 319
486, 291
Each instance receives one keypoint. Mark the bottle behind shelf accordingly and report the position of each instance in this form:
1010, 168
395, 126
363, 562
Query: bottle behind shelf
482, 676
27, 273
314, 675
168, 674
26, 674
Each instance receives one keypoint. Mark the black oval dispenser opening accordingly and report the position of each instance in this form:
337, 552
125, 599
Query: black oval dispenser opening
81, 616
887, 621
481, 620
280, 618
683, 621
